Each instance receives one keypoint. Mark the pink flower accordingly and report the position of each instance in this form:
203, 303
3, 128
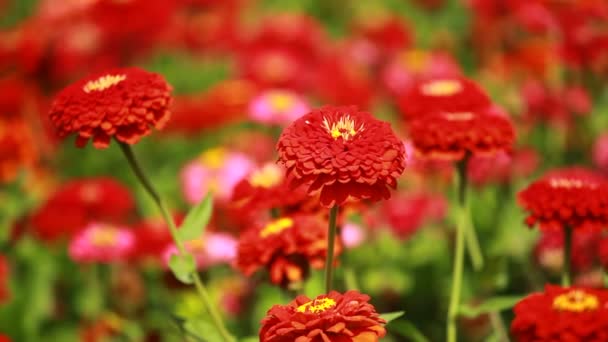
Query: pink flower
209, 250
600, 153
277, 107
217, 171
102, 243
352, 235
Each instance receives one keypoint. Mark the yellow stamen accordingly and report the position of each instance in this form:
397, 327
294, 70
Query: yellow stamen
104, 237
266, 177
276, 226
213, 157
441, 88
415, 60
281, 101
102, 83
575, 301
344, 127
317, 305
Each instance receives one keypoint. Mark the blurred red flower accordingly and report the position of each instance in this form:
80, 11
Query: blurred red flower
344, 317
549, 249
454, 135
407, 213
573, 198
603, 252
343, 153
4, 275
600, 153
557, 106
344, 82
152, 237
121, 103
17, 150
79, 202
502, 167
562, 314
287, 247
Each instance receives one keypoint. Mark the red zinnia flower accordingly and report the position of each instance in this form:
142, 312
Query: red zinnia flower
453, 135
562, 314
343, 153
572, 197
287, 247
344, 317
442, 94
121, 103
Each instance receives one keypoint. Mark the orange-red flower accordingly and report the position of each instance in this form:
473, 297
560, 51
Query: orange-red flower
288, 247
562, 314
340, 317
17, 148
121, 103
453, 135
573, 197
343, 153
442, 94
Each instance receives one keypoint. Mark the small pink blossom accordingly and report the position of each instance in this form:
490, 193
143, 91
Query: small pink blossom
102, 243
277, 107
352, 235
209, 250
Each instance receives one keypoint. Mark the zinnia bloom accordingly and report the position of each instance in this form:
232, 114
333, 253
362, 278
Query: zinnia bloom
277, 107
343, 153
573, 198
121, 103
453, 94
453, 135
344, 317
287, 247
562, 314
103, 243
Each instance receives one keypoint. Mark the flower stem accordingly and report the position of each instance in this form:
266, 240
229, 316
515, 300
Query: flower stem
458, 266
331, 240
200, 287
567, 250
472, 242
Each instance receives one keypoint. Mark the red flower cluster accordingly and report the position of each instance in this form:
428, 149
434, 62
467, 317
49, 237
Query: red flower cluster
454, 135
343, 153
79, 202
573, 197
287, 247
120, 103
562, 314
344, 317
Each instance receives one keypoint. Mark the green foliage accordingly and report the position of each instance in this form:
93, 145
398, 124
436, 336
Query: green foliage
197, 219
495, 304
182, 266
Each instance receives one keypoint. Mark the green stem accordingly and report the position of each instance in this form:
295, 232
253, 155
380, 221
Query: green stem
472, 242
459, 253
331, 240
567, 250
200, 287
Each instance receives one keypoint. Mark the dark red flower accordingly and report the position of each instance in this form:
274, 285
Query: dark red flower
453, 135
344, 317
79, 202
287, 247
442, 94
343, 153
4, 275
603, 252
121, 103
573, 198
152, 238
562, 314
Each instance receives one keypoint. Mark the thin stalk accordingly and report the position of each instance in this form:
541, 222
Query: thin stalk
458, 266
331, 240
200, 287
567, 250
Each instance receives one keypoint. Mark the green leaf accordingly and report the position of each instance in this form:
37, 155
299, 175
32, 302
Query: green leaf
195, 222
250, 339
202, 329
182, 267
391, 316
407, 329
495, 304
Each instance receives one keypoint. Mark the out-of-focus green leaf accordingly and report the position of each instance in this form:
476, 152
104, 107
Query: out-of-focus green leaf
495, 304
407, 329
391, 316
182, 267
195, 222
202, 329
250, 339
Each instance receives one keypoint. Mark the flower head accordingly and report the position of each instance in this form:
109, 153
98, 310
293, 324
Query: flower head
452, 94
287, 247
334, 316
562, 314
573, 197
121, 103
277, 107
102, 243
453, 135
343, 153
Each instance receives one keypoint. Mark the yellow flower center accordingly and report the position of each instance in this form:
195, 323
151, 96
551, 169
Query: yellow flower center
104, 237
268, 176
441, 88
344, 127
575, 301
317, 305
566, 183
102, 83
281, 101
459, 116
196, 245
276, 226
415, 60
213, 157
